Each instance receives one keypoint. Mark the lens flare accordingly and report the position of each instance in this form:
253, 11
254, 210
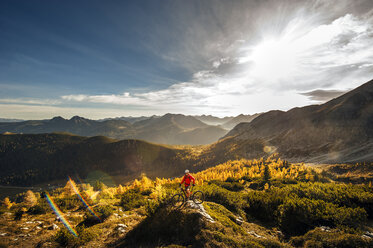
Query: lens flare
59, 214
76, 190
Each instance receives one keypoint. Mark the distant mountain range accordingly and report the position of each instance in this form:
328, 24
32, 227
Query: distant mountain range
168, 129
130, 119
340, 130
10, 120
213, 120
238, 119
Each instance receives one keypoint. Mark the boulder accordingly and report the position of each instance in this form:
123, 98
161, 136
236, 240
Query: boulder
53, 227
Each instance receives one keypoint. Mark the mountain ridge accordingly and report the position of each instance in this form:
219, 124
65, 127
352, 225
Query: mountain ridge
319, 133
165, 129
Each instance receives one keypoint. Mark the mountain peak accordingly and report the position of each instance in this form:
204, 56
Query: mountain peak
57, 119
77, 118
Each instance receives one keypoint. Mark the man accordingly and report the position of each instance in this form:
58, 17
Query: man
187, 179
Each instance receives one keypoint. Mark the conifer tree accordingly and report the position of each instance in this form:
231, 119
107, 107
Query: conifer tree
30, 199
7, 203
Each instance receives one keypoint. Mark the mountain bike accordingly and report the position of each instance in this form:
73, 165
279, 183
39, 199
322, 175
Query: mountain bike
179, 199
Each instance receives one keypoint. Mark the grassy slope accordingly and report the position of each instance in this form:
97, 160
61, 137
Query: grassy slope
234, 189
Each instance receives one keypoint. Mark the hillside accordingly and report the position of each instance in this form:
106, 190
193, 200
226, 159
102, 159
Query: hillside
31, 159
129, 119
248, 203
10, 120
213, 120
203, 135
238, 119
168, 129
76, 125
337, 131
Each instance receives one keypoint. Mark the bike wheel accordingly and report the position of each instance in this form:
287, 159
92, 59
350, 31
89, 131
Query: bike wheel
198, 197
177, 200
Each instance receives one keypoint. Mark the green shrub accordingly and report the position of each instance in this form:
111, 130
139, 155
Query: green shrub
347, 205
132, 199
66, 239
102, 211
298, 215
233, 201
18, 214
331, 239
263, 204
41, 207
89, 220
147, 192
340, 194
68, 203
247, 178
98, 185
231, 180
232, 186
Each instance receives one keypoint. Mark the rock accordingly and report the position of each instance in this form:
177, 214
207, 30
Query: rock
368, 234
191, 204
325, 228
255, 234
239, 221
43, 244
279, 234
121, 228
53, 227
3, 234
38, 227
201, 210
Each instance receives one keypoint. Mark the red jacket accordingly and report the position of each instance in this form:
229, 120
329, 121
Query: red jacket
187, 179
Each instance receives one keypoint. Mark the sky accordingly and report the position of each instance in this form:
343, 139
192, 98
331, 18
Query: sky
100, 59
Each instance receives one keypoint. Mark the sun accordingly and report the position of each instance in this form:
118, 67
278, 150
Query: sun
273, 59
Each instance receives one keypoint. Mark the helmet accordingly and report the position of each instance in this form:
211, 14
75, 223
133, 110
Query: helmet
186, 171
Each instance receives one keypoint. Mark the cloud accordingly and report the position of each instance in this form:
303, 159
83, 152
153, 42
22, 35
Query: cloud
247, 57
33, 112
123, 99
30, 101
302, 57
323, 95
